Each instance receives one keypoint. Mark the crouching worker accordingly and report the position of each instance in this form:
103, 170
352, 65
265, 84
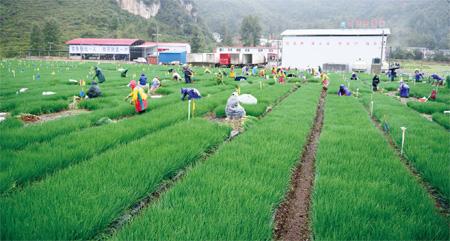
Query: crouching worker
176, 76
344, 91
235, 112
375, 82
94, 91
138, 97
403, 89
156, 83
325, 81
190, 93
99, 75
240, 78
438, 80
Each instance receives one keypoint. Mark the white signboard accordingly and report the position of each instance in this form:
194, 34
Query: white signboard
172, 49
98, 49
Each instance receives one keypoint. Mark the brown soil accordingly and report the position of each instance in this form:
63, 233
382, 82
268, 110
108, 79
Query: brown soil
292, 219
33, 119
152, 197
441, 202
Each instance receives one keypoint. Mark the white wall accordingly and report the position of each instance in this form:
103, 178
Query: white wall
303, 51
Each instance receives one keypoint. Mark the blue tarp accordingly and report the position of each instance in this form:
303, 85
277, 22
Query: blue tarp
167, 58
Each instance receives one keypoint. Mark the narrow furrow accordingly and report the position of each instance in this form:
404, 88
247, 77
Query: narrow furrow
441, 202
292, 219
152, 197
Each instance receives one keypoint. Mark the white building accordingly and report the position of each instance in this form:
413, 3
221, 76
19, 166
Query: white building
317, 47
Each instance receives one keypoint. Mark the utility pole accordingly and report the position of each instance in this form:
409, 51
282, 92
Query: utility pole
382, 48
50, 47
157, 42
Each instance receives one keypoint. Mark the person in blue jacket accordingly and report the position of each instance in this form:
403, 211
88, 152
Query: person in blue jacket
438, 79
191, 93
403, 89
344, 91
143, 80
187, 74
99, 75
418, 76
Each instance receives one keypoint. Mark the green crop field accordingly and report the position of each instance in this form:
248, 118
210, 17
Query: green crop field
105, 172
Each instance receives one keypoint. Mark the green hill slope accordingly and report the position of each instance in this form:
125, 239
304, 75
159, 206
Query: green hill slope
92, 18
413, 22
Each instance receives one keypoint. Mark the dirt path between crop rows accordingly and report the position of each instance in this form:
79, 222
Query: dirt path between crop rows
153, 197
292, 219
441, 203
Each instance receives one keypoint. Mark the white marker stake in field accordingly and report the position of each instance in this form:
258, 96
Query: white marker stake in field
189, 110
357, 92
403, 139
371, 109
260, 84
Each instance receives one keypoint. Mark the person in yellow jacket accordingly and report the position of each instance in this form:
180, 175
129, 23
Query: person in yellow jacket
232, 72
325, 80
138, 97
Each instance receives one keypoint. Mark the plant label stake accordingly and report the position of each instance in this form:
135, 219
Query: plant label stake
403, 139
260, 85
357, 92
189, 110
371, 109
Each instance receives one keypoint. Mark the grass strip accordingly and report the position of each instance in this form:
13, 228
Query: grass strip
426, 145
429, 107
442, 119
26, 165
82, 200
362, 190
233, 195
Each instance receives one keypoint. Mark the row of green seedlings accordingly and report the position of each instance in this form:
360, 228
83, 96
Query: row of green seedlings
82, 200
20, 167
14, 136
132, 170
422, 90
233, 196
362, 190
426, 144
434, 108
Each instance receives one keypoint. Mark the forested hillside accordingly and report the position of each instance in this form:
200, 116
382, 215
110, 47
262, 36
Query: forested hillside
413, 22
93, 18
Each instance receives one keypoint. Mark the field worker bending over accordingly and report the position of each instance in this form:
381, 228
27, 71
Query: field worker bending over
156, 83
255, 70
418, 76
99, 75
232, 72
354, 76
325, 81
234, 111
344, 91
138, 97
403, 89
375, 82
437, 79
176, 76
191, 93
143, 81
94, 91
